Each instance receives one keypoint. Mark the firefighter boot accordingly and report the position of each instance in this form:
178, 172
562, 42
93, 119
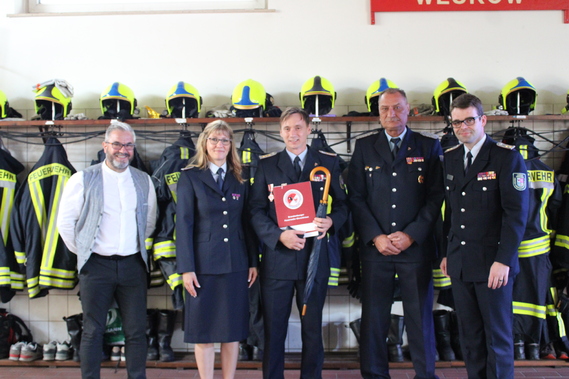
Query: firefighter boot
532, 351
152, 334
442, 335
356, 326
519, 347
454, 336
395, 339
166, 320
245, 351
75, 330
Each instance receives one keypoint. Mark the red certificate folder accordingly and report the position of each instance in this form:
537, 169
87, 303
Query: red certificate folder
295, 207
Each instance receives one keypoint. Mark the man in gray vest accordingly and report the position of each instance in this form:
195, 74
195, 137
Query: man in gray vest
108, 210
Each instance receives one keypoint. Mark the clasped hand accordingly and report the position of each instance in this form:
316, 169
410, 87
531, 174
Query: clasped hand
392, 244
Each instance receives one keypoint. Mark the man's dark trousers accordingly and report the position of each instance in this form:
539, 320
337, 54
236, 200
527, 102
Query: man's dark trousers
102, 280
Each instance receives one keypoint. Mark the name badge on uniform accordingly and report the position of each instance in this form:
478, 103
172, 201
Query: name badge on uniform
488, 175
519, 181
411, 160
450, 177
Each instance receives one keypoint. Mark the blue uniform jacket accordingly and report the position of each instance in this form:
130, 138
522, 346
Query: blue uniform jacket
486, 210
280, 262
404, 194
212, 228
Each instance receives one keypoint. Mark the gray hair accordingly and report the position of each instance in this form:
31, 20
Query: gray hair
118, 125
391, 91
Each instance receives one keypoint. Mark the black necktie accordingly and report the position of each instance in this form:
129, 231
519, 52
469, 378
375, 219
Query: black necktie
220, 178
395, 149
468, 161
297, 169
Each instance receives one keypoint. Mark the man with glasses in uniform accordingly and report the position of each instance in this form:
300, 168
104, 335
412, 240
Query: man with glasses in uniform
108, 210
486, 214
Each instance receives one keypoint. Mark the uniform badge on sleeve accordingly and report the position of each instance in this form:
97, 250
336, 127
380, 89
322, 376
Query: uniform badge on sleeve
519, 181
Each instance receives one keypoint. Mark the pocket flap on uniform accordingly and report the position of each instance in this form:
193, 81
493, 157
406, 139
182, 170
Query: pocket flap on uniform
203, 237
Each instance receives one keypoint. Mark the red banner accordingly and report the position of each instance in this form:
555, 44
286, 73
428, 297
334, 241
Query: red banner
468, 5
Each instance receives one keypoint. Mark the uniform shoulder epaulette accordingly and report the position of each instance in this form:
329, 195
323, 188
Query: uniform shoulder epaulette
506, 146
453, 148
328, 153
189, 167
268, 155
428, 134
370, 133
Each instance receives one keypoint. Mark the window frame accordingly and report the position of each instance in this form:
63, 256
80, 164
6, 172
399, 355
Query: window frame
180, 6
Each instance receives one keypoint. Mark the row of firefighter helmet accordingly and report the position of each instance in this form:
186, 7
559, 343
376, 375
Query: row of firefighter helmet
249, 99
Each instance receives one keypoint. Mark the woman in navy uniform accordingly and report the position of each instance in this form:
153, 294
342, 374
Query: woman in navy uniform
215, 250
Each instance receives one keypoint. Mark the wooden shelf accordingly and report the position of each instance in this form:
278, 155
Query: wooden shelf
258, 120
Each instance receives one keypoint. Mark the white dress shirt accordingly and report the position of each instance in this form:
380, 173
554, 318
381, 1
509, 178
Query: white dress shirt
117, 231
302, 157
213, 168
475, 150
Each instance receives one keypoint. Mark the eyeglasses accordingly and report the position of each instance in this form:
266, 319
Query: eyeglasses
224, 141
469, 121
118, 145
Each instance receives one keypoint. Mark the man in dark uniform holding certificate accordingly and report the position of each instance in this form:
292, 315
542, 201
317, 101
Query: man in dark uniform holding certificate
396, 191
487, 208
286, 252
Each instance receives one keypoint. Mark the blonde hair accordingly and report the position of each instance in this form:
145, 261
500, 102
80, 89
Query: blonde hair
201, 159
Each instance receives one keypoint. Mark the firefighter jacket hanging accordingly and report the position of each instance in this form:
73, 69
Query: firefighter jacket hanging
532, 284
165, 179
250, 152
11, 279
341, 245
39, 249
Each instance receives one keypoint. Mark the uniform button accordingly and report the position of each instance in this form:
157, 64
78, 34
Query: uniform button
224, 226
394, 206
464, 194
462, 227
225, 239
420, 169
394, 190
463, 243
448, 188
224, 212
223, 199
462, 210
484, 188
394, 174
393, 224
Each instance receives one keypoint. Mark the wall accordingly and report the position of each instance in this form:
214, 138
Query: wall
214, 52
335, 39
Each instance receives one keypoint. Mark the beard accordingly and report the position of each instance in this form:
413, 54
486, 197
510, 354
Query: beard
119, 164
